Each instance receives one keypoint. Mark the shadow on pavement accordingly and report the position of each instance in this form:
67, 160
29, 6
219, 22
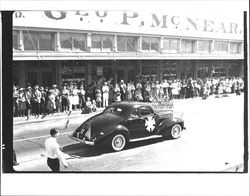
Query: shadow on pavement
81, 150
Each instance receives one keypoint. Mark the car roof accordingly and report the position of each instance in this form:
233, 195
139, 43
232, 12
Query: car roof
131, 104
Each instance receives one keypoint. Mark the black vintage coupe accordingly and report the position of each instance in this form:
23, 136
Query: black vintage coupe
124, 122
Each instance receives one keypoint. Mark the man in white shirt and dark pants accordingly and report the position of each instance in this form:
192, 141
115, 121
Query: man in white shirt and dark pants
105, 94
54, 153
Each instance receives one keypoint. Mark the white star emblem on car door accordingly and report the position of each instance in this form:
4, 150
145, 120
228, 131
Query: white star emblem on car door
150, 123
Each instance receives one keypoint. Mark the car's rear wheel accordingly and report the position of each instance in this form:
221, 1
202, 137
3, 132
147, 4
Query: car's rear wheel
176, 131
118, 142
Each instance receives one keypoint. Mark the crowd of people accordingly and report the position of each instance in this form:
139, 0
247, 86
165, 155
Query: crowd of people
44, 101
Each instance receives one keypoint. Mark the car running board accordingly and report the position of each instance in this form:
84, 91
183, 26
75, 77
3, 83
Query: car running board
145, 138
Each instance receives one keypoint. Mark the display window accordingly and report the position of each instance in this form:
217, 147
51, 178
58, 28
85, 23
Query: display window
169, 70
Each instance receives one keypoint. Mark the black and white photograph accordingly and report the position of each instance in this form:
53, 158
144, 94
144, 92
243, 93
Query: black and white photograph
126, 92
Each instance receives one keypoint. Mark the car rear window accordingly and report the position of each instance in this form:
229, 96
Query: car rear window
115, 110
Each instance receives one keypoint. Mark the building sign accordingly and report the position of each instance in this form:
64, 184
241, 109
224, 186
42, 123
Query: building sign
153, 23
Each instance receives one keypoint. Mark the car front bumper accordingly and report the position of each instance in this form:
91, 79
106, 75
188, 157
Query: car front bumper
90, 143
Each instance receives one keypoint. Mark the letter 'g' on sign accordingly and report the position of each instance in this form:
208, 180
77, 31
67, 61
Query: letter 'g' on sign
57, 15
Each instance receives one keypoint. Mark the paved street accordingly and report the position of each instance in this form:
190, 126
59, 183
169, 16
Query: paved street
213, 141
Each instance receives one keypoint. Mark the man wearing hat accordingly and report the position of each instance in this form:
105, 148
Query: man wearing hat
54, 154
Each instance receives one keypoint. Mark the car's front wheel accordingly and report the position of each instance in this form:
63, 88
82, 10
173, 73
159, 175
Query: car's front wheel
118, 142
176, 131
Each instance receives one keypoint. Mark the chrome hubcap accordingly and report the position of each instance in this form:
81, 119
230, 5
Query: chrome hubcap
118, 142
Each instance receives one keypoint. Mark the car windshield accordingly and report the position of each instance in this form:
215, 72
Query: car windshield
114, 110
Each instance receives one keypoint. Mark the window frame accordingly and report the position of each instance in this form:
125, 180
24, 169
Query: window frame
102, 49
38, 36
220, 47
170, 48
150, 44
71, 37
126, 43
186, 41
140, 109
203, 46
15, 32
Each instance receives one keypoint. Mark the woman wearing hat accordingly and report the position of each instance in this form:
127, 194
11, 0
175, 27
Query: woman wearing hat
21, 102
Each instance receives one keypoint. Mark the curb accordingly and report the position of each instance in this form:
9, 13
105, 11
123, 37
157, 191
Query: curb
51, 118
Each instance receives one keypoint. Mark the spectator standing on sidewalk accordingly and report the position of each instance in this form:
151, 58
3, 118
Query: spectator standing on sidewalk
123, 90
98, 98
81, 95
15, 101
65, 99
43, 101
22, 102
36, 97
54, 154
117, 93
28, 96
51, 104
105, 94
130, 90
56, 93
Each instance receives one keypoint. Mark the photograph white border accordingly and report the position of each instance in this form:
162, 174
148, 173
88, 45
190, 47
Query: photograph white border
126, 184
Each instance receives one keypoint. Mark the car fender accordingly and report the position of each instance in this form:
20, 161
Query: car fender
167, 123
108, 134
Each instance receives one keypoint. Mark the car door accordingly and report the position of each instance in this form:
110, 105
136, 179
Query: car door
142, 122
133, 123
148, 121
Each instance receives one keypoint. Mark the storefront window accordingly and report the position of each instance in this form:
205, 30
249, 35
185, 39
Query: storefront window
235, 47
73, 72
38, 41
204, 46
126, 44
72, 41
171, 45
102, 42
15, 40
169, 70
150, 44
187, 46
220, 46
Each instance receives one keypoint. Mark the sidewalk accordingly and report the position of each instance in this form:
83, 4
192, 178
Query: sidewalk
55, 116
